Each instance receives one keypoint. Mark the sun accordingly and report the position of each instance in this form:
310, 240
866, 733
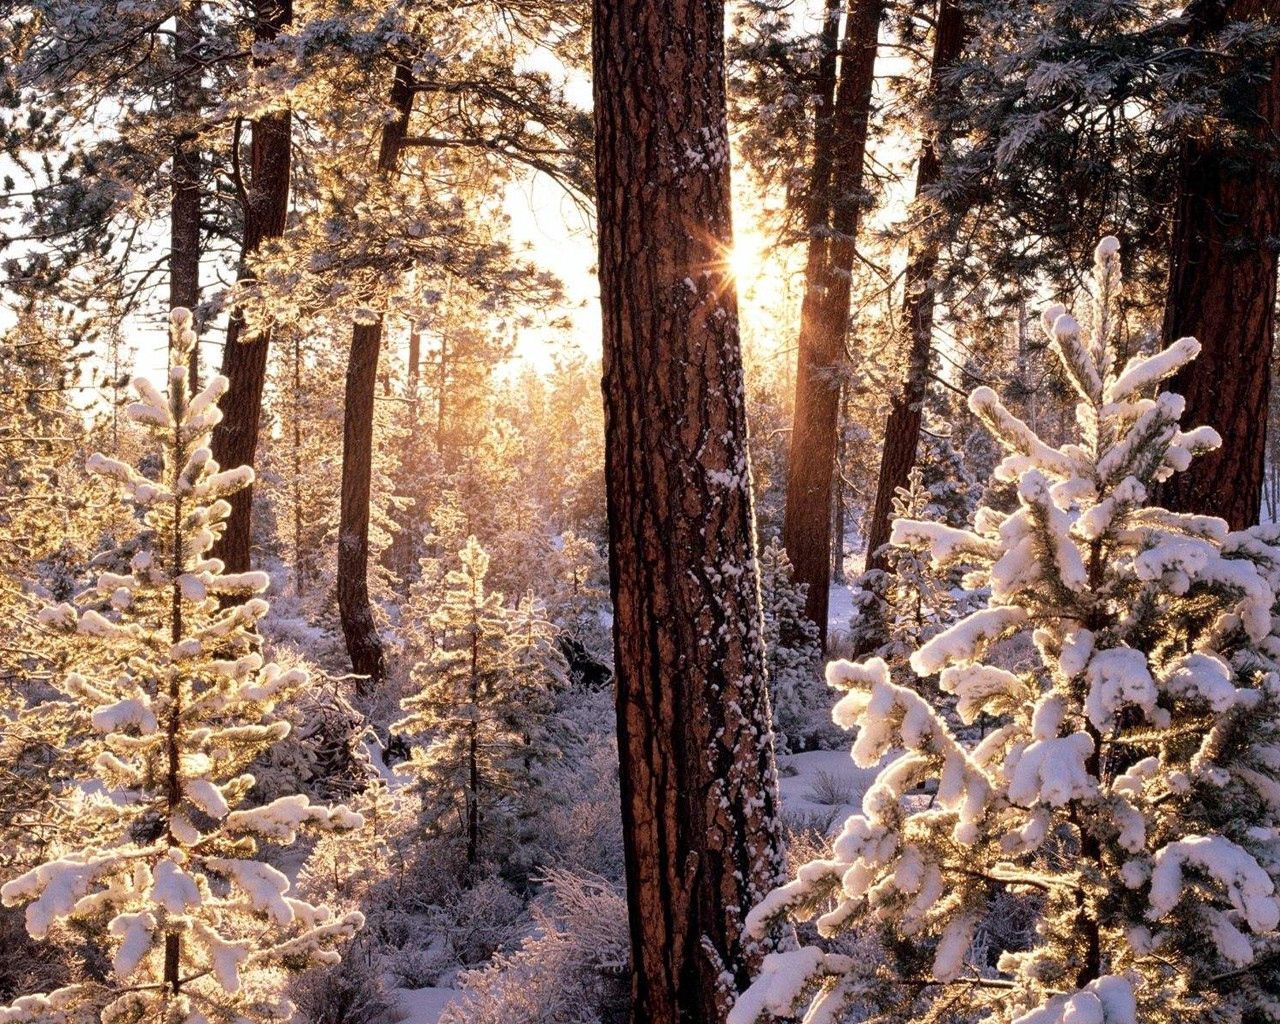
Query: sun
744, 261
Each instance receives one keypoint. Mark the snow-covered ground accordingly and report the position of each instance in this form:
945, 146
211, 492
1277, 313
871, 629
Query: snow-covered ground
822, 784
424, 1005
839, 610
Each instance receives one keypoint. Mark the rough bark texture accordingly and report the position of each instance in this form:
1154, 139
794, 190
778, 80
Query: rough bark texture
902, 428
184, 178
840, 142
1222, 287
364, 647
244, 359
697, 766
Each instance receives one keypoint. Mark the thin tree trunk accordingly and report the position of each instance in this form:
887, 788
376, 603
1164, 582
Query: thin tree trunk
902, 428
1222, 287
244, 359
698, 781
173, 722
300, 574
840, 142
442, 383
184, 200
838, 499
364, 647
415, 357
473, 757
402, 545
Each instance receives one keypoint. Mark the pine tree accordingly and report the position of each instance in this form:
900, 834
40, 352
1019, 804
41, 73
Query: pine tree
483, 703
180, 703
906, 603
801, 710
1127, 794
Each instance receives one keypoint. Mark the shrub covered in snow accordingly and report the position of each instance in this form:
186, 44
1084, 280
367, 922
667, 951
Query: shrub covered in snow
167, 881
572, 970
1127, 786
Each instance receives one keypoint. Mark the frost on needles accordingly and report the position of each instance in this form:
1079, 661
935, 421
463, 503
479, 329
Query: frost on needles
163, 872
1114, 775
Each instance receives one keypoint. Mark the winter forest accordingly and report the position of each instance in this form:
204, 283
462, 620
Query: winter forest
639, 512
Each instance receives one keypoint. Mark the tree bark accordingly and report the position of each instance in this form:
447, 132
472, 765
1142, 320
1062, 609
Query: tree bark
1222, 286
244, 359
840, 142
698, 780
184, 177
902, 428
364, 647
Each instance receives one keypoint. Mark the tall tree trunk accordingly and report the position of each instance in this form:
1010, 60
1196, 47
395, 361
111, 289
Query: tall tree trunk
699, 800
902, 428
415, 358
1222, 285
184, 199
364, 647
840, 143
244, 359
402, 544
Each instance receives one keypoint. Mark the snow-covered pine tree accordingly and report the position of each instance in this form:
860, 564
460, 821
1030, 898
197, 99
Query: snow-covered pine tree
901, 607
1128, 791
801, 708
482, 702
199, 931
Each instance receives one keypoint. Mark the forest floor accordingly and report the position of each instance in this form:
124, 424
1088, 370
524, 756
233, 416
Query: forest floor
820, 789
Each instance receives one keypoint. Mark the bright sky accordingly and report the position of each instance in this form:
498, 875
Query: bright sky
559, 238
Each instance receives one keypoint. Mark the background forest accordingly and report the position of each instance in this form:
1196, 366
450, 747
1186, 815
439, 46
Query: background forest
358, 664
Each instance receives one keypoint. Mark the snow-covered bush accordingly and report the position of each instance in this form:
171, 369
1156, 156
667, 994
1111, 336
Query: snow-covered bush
581, 830
573, 969
325, 754
167, 881
1127, 786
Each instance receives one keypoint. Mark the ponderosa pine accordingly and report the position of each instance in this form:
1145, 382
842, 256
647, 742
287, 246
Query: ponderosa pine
694, 736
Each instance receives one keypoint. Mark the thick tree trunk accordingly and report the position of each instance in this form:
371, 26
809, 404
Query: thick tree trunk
840, 142
902, 428
699, 799
184, 200
244, 359
1222, 287
364, 647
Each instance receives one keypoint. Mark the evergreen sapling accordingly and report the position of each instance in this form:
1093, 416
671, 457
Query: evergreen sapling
199, 930
1128, 791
